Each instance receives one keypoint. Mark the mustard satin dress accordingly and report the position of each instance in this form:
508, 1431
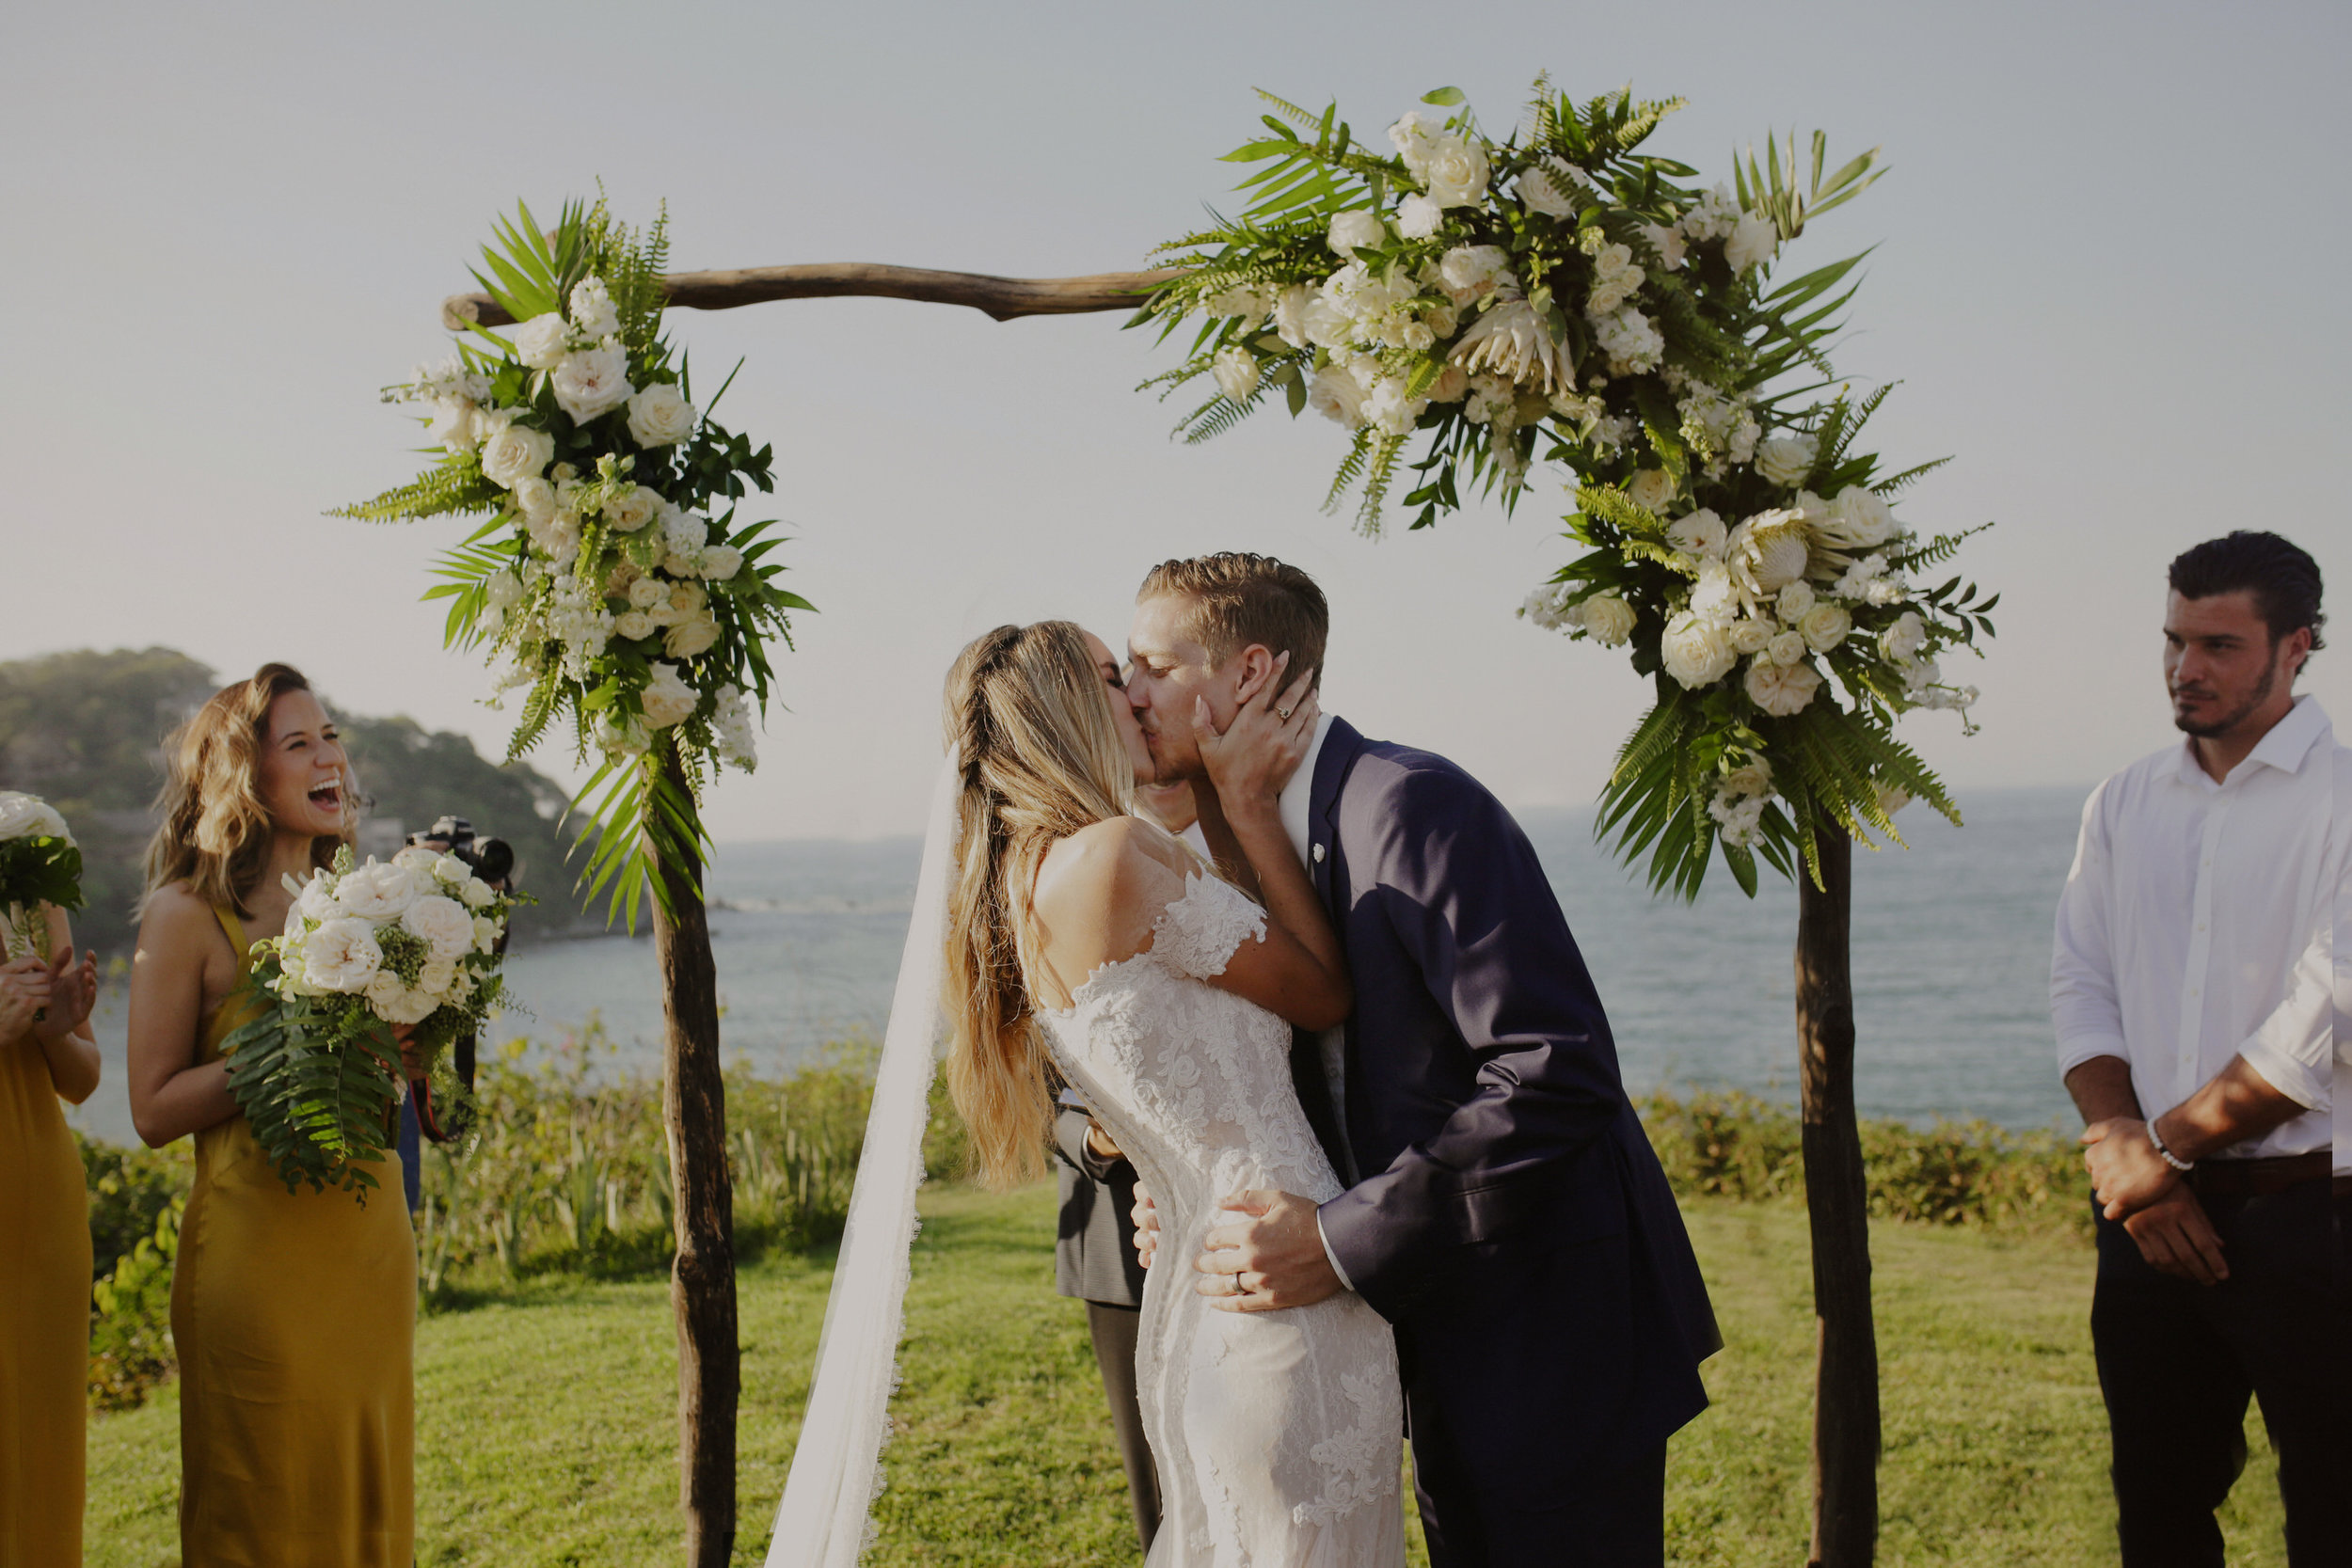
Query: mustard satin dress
295, 1315
45, 1320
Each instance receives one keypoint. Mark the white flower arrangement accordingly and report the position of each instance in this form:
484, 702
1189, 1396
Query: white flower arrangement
613, 581
1565, 297
39, 865
409, 943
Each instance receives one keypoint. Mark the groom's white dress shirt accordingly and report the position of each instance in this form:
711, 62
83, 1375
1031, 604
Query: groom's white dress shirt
2199, 923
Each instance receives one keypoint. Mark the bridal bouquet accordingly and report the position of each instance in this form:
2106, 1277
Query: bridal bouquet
40, 864
1560, 297
366, 948
612, 577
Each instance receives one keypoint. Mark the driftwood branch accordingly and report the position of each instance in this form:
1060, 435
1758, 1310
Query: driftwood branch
1001, 297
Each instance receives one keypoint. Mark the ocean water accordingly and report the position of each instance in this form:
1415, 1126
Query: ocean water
1951, 954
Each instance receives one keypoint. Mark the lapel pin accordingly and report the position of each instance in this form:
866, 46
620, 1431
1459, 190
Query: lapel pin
1318, 854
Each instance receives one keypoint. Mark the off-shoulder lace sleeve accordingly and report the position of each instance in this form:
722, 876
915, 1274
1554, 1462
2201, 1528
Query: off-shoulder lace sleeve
1199, 934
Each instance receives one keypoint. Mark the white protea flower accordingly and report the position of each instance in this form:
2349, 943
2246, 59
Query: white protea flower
1768, 551
1515, 341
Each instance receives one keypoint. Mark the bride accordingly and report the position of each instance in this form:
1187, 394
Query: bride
1164, 996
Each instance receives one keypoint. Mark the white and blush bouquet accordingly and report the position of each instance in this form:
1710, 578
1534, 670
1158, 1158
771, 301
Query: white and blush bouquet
40, 864
368, 949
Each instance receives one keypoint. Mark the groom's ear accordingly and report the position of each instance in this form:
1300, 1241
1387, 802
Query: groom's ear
1252, 668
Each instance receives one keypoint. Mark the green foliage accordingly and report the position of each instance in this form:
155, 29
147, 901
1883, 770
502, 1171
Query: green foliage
318, 1085
131, 1349
1730, 1144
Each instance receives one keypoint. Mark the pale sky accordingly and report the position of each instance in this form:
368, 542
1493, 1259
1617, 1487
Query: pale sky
2107, 263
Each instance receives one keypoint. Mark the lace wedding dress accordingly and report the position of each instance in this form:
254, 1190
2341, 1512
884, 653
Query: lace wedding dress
1278, 1434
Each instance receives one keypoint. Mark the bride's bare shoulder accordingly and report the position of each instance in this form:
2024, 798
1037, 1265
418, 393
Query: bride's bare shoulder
1110, 876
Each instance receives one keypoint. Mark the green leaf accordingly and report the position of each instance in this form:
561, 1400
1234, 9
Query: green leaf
1444, 98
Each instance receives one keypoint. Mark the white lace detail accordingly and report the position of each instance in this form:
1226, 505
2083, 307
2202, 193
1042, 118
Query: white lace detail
1200, 933
1276, 1434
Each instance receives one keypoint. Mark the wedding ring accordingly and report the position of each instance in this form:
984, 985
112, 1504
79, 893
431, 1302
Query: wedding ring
1237, 1289
1285, 715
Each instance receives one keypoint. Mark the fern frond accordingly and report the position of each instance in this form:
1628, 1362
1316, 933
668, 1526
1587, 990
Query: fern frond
456, 486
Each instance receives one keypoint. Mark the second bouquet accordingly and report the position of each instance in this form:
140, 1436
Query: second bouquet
368, 950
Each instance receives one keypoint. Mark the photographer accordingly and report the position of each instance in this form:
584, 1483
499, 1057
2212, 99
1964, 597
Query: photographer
493, 861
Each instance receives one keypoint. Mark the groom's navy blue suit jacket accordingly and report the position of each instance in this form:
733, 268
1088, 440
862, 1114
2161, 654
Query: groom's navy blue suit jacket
1510, 1217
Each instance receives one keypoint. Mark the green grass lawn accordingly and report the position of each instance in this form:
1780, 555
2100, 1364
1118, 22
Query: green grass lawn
546, 1426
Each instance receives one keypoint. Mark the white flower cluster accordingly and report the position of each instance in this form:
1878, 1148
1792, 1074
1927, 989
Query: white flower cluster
406, 938
1740, 796
1605, 618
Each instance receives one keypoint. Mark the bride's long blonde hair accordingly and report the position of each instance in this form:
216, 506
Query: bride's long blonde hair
1029, 723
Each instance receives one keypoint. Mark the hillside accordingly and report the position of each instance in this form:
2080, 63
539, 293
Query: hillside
84, 731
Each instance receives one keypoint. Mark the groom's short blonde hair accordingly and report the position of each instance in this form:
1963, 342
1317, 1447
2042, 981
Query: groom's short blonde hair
1240, 599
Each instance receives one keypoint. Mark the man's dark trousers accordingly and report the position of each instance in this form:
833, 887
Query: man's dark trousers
2178, 1362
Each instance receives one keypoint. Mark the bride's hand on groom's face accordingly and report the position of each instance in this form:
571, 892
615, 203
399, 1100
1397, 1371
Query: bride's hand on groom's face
1267, 1260
1264, 744
1146, 1223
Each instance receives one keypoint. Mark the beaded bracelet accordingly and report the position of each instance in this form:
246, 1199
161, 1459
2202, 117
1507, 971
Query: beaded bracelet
2184, 1167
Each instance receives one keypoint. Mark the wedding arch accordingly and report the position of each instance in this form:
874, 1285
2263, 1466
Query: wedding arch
1557, 296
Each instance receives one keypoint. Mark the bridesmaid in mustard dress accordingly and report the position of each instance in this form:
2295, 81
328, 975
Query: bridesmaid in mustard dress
294, 1313
44, 1251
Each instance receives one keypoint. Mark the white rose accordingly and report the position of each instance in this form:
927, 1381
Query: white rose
1468, 270
23, 815
1795, 600
1352, 229
1785, 460
1290, 314
1825, 627
1701, 533
1859, 519
1236, 372
592, 311
1458, 171
592, 383
722, 561
646, 593
660, 415
1413, 136
441, 924
683, 533
1651, 489
1749, 635
688, 638
454, 425
385, 993
438, 976
534, 498
1902, 641
342, 956
485, 933
667, 699
1786, 647
515, 453
1782, 690
1337, 395
476, 894
1715, 596
1753, 777
318, 902
688, 598
1540, 191
375, 892
1695, 650
542, 342
681, 566
633, 509
1608, 620
635, 625
1418, 217
1753, 241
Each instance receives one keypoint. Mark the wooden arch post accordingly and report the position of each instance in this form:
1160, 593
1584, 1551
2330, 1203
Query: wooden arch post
1846, 1424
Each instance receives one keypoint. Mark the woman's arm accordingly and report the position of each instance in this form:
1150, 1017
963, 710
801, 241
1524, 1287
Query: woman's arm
64, 1035
172, 1096
1248, 766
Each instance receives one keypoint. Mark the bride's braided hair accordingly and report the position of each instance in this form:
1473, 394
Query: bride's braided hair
1030, 724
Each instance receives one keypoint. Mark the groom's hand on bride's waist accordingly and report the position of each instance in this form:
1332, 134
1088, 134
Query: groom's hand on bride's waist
1270, 1256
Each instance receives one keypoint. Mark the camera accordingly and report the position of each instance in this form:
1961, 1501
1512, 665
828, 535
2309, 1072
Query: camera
490, 859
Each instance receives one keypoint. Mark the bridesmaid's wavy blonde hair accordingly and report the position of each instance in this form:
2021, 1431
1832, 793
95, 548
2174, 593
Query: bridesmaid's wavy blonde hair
216, 831
1029, 723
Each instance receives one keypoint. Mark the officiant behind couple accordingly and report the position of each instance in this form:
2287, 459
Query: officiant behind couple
1362, 1072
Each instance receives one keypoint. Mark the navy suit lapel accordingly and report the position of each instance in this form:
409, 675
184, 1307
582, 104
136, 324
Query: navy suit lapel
1341, 744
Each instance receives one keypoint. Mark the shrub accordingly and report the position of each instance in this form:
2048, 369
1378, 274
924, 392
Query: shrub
130, 1341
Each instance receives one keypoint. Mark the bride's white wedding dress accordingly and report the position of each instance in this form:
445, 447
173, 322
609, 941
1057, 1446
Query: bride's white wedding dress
1278, 1434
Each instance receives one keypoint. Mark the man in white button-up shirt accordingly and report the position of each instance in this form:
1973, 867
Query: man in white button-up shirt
2193, 993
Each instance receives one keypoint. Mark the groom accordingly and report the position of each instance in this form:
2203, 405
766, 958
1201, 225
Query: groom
1504, 1211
